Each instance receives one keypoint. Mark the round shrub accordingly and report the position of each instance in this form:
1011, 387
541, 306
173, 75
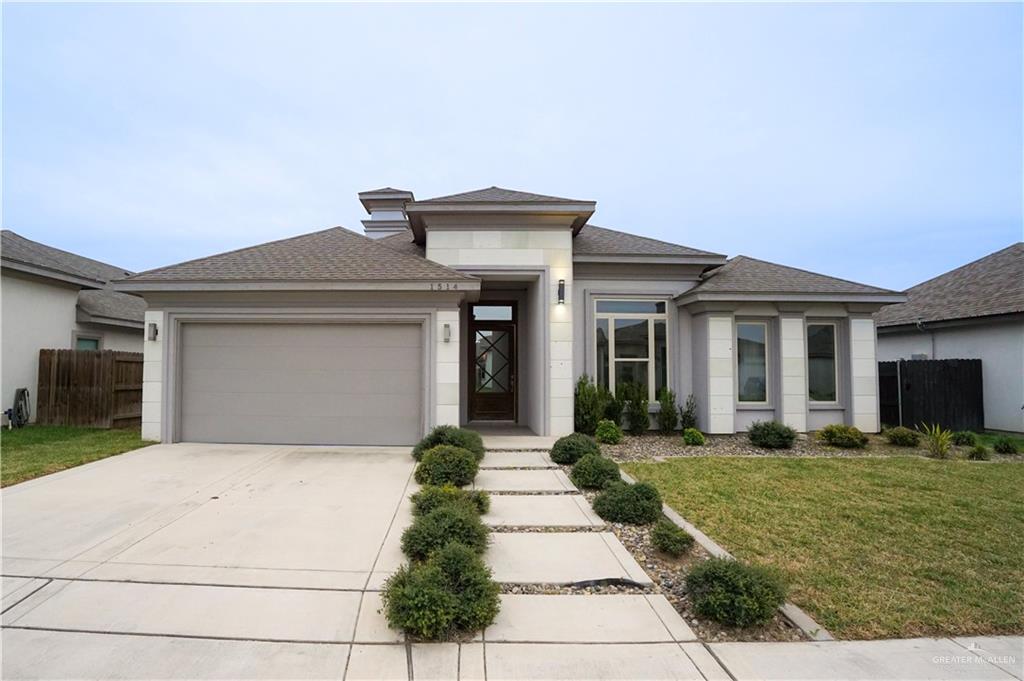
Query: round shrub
571, 448
637, 504
734, 593
431, 497
447, 465
843, 436
450, 435
608, 432
449, 523
771, 435
979, 453
693, 438
902, 437
964, 438
470, 580
593, 471
1004, 445
669, 538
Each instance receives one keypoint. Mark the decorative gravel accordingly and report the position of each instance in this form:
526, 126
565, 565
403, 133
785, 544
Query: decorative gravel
656, 446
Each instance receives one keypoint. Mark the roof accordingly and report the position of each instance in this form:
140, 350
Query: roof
107, 304
594, 240
499, 195
403, 243
334, 254
743, 274
992, 285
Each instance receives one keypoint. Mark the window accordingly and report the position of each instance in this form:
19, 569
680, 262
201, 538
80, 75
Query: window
821, 362
752, 361
84, 343
496, 313
631, 344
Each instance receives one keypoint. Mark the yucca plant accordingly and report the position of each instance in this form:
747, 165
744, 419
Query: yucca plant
937, 441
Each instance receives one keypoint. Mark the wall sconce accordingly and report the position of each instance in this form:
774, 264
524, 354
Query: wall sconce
447, 333
151, 331
561, 291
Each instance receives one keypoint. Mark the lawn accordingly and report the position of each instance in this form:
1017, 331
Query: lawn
30, 452
988, 438
872, 547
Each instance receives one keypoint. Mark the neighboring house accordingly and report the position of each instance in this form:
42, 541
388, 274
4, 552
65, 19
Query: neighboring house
486, 306
973, 312
56, 299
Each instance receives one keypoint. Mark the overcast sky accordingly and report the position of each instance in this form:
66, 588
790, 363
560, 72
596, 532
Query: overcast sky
876, 142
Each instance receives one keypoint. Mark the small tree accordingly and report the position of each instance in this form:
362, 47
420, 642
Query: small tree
668, 417
688, 413
589, 406
613, 405
636, 407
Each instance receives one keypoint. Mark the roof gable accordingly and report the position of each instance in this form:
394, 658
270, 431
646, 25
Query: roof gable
743, 274
498, 195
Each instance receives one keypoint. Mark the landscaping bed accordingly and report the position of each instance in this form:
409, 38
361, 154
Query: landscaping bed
33, 451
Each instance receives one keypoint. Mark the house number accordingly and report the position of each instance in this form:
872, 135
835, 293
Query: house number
446, 286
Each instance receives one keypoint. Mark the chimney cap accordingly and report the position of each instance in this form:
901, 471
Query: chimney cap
385, 198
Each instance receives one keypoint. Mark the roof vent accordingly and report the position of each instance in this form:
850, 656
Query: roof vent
387, 211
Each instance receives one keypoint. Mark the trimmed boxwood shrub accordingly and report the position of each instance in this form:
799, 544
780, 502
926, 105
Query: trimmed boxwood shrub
843, 436
964, 438
902, 437
979, 453
620, 502
448, 523
571, 448
669, 538
693, 438
771, 435
608, 432
451, 593
1004, 445
593, 471
432, 496
447, 465
734, 593
450, 435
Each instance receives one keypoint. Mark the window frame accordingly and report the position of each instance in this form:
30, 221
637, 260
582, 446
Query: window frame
98, 337
651, 359
767, 401
835, 360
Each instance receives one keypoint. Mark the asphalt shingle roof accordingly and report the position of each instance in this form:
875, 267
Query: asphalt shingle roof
334, 254
594, 240
106, 303
992, 285
499, 195
743, 274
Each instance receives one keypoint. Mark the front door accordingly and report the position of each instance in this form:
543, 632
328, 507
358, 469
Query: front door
492, 346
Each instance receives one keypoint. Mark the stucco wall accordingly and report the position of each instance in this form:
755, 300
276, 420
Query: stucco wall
999, 346
114, 338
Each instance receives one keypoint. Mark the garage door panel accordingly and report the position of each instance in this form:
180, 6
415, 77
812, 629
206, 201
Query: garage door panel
301, 383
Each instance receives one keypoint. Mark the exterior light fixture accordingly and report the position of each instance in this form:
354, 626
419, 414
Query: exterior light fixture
447, 333
151, 331
561, 291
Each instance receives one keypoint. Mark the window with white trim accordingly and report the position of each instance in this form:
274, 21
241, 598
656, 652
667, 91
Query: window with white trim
822, 378
631, 344
752, 362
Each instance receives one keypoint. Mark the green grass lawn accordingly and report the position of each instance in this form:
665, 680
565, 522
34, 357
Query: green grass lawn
873, 548
29, 452
988, 438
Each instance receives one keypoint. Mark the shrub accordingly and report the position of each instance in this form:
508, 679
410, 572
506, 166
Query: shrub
1005, 445
668, 417
936, 440
734, 593
693, 437
771, 435
620, 502
979, 453
846, 437
450, 435
902, 437
449, 523
571, 448
451, 592
431, 497
688, 413
613, 406
637, 410
588, 405
608, 432
964, 438
593, 471
447, 464
669, 538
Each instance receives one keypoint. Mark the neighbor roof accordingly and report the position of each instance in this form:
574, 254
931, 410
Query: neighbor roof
104, 303
992, 285
499, 195
594, 240
334, 254
743, 274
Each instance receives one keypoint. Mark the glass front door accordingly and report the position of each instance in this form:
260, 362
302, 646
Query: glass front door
493, 383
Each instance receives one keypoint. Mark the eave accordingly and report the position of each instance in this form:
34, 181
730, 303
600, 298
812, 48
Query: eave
47, 273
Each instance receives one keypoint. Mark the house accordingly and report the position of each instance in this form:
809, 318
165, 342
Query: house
973, 312
485, 307
55, 299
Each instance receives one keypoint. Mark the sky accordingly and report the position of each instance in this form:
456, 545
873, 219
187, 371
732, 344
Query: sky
876, 142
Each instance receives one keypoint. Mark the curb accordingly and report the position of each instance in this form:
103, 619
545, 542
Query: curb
800, 619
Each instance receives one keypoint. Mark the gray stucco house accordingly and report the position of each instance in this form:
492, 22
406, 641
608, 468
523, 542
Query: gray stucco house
485, 307
973, 312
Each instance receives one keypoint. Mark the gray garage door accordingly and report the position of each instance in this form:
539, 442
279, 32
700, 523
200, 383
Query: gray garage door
357, 384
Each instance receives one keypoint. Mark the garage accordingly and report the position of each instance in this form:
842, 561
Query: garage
301, 383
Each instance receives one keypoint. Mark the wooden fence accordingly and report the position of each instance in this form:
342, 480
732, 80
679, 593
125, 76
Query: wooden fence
94, 388
942, 391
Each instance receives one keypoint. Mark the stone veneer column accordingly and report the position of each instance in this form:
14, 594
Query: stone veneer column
446, 367
793, 341
721, 375
152, 377
864, 375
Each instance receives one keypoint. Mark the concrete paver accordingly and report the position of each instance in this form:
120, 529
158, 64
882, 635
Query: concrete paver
560, 558
528, 459
705, 661
513, 442
1005, 652
523, 481
377, 663
372, 626
648, 661
435, 661
541, 510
